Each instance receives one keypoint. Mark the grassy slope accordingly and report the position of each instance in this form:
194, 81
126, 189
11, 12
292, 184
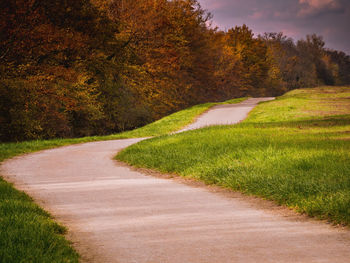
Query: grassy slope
166, 125
27, 233
295, 150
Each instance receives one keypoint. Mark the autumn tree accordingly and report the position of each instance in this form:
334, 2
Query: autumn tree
340, 66
251, 56
167, 47
45, 50
85, 67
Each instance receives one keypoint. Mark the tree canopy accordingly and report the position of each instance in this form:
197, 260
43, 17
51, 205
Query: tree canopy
77, 68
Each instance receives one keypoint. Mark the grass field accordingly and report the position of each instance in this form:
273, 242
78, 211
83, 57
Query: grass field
294, 150
28, 233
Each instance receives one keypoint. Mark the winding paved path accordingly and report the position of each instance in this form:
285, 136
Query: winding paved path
225, 114
115, 214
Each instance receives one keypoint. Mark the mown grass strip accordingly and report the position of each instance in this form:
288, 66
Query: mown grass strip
28, 233
294, 150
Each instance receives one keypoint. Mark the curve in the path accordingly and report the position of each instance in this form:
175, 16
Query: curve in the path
115, 214
226, 114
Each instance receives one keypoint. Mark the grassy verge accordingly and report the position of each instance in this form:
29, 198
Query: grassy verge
27, 233
166, 125
295, 150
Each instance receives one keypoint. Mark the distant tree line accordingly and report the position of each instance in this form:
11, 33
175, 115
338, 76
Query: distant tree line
78, 68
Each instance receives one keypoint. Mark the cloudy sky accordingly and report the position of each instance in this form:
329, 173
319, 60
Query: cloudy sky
295, 18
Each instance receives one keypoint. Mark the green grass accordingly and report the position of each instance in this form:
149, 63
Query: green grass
294, 150
28, 233
166, 125
175, 121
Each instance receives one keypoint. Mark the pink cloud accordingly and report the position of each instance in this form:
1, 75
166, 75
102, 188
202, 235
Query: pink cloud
214, 5
278, 14
311, 7
257, 15
327, 32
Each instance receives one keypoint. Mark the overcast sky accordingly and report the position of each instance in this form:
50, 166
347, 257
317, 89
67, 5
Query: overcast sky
295, 18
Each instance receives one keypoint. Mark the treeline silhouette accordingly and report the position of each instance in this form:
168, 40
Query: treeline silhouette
78, 68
